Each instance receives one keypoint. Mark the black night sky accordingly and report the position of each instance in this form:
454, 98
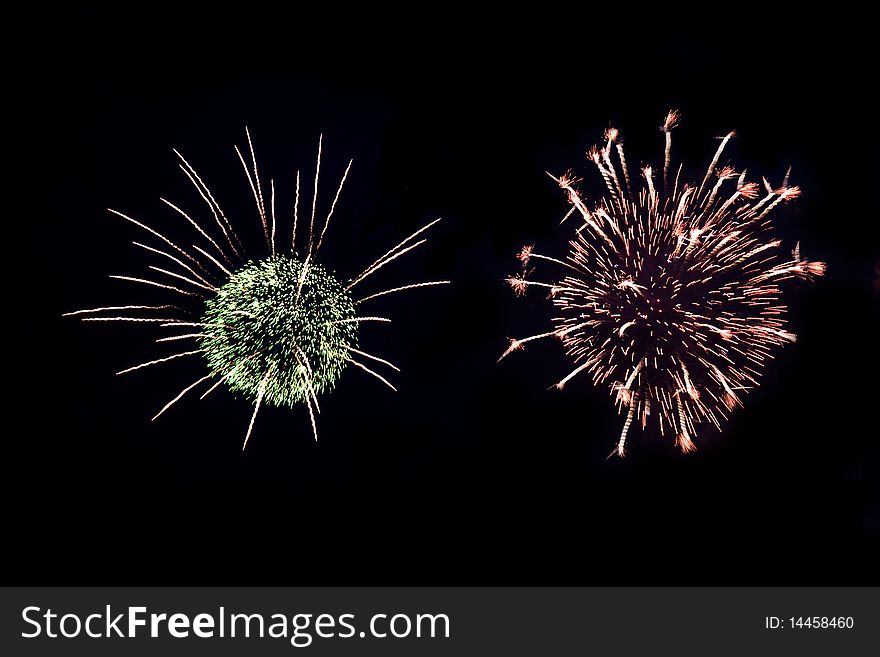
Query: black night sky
474, 472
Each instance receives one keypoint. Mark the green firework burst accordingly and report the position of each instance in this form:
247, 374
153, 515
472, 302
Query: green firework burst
278, 330
282, 326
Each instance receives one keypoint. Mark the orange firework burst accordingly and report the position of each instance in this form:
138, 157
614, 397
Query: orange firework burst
671, 297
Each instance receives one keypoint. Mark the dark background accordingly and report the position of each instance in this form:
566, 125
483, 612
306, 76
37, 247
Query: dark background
475, 472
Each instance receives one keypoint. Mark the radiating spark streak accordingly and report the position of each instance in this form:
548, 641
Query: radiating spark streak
369, 371
668, 125
315, 195
652, 193
516, 344
688, 384
159, 235
625, 170
176, 260
159, 360
208, 197
391, 251
606, 175
607, 158
791, 192
722, 178
182, 393
621, 443
383, 263
295, 216
182, 337
255, 193
302, 279
262, 206
375, 358
684, 440
785, 335
198, 228
333, 205
312, 418
715, 159
223, 378
632, 285
561, 384
105, 308
216, 385
730, 397
260, 394
213, 259
538, 256
209, 288
126, 319
573, 197
154, 284
175, 323
272, 206
623, 328
677, 177
633, 375
308, 378
685, 278
359, 319
411, 286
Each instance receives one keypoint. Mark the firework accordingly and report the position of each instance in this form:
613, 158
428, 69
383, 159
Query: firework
278, 329
670, 295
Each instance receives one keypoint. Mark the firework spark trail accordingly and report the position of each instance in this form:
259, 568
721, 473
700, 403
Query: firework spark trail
411, 286
580, 368
369, 371
126, 319
621, 443
201, 231
358, 320
272, 206
175, 323
213, 259
221, 380
312, 418
668, 124
260, 394
105, 308
173, 338
209, 288
254, 188
671, 298
333, 205
160, 236
308, 375
160, 360
382, 260
375, 358
171, 257
180, 395
214, 206
315, 196
145, 281
295, 216
518, 344
278, 329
